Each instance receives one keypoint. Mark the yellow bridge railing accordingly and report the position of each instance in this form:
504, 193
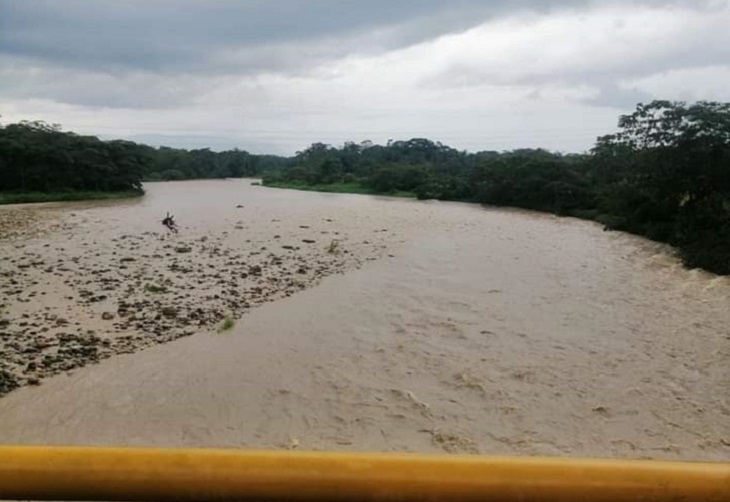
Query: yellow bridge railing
146, 474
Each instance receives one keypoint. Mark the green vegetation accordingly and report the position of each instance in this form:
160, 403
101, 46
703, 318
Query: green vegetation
40, 163
228, 324
153, 288
26, 197
39, 157
353, 187
171, 164
665, 175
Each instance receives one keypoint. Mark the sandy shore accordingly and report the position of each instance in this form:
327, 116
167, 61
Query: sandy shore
455, 329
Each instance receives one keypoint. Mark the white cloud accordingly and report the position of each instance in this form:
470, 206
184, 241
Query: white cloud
708, 83
581, 44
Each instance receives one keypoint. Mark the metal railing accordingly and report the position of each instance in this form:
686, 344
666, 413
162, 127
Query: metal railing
72, 473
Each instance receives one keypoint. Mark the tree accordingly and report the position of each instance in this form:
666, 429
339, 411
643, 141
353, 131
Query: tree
678, 186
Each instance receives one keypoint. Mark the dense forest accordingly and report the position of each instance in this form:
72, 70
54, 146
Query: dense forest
665, 174
167, 164
37, 158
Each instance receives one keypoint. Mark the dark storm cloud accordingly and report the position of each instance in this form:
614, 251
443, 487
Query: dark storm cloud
157, 53
189, 35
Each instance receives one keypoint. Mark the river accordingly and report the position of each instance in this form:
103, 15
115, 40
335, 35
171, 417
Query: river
448, 327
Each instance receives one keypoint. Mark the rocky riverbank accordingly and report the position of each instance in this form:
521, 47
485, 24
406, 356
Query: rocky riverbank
26, 222
70, 297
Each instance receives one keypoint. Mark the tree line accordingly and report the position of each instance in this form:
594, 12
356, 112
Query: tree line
40, 157
665, 175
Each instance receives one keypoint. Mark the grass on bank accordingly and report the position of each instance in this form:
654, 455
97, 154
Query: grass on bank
29, 197
227, 324
154, 288
354, 187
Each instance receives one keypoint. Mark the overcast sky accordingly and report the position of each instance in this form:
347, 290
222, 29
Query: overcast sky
273, 76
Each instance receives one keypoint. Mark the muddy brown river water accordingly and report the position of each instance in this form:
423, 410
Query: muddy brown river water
426, 326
